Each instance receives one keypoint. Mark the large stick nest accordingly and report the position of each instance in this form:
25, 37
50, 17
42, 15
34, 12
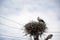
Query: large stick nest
35, 27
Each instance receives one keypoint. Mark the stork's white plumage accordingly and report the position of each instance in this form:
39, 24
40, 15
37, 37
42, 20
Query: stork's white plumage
40, 20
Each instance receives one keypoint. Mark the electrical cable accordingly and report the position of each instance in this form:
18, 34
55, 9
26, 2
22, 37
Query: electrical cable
7, 36
10, 20
9, 26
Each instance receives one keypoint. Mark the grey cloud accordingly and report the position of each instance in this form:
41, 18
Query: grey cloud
1, 38
11, 7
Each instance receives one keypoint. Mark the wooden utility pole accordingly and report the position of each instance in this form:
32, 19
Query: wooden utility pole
36, 37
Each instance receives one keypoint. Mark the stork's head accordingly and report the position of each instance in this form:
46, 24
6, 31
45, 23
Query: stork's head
40, 20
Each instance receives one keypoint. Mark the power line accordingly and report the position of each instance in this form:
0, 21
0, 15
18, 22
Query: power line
9, 26
17, 23
19, 28
1, 38
7, 36
53, 32
10, 20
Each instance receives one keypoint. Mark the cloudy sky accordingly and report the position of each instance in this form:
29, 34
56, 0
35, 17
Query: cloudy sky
14, 14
